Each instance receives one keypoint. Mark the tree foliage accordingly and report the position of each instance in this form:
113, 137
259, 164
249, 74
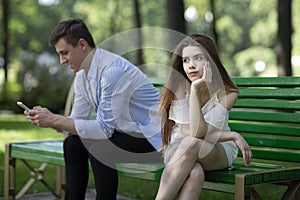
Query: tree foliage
246, 29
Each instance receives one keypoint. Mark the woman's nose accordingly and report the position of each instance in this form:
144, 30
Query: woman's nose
192, 66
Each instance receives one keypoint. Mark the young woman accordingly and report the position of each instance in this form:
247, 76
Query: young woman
195, 104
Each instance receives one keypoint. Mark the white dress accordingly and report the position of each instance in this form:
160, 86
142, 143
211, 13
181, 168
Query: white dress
214, 114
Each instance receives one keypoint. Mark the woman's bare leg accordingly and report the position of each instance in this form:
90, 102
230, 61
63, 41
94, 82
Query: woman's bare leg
193, 184
216, 159
184, 159
178, 168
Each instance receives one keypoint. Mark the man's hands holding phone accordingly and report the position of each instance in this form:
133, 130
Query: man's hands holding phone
44, 118
38, 116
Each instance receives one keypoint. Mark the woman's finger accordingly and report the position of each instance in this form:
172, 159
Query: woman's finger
208, 72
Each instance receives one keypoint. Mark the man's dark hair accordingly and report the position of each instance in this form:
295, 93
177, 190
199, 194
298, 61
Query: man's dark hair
71, 30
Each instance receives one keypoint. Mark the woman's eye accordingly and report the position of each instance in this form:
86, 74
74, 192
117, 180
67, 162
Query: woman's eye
199, 58
185, 60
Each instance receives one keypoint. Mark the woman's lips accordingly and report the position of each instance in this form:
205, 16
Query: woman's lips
195, 73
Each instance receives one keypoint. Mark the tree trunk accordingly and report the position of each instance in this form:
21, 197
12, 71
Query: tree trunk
5, 7
176, 15
213, 23
139, 40
283, 44
176, 21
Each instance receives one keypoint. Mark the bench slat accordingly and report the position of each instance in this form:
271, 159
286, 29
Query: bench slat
271, 141
265, 116
267, 81
268, 128
267, 104
49, 151
278, 93
288, 155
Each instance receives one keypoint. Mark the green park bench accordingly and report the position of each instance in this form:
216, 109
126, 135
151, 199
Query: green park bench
267, 114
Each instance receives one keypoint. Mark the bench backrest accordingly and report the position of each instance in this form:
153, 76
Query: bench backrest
267, 114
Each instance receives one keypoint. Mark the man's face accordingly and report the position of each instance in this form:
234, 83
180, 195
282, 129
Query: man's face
72, 56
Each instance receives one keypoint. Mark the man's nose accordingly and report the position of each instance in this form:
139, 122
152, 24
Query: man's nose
62, 60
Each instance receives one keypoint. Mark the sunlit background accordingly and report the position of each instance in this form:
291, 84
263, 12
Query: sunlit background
246, 30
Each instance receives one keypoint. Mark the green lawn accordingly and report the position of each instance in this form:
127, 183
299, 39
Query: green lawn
14, 128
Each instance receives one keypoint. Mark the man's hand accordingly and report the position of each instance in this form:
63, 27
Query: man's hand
41, 117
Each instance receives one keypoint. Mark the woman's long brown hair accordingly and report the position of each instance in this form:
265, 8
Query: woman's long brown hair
177, 75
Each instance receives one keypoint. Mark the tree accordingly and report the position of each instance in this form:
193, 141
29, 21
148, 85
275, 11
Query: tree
138, 24
5, 7
213, 23
283, 43
176, 15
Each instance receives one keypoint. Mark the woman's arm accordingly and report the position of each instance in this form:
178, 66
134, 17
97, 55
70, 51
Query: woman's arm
197, 127
223, 136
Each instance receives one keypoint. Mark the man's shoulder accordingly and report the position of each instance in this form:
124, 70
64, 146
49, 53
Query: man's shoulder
107, 58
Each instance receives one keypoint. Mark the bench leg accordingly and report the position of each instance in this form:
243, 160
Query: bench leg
297, 194
36, 175
255, 195
239, 187
9, 174
60, 181
292, 191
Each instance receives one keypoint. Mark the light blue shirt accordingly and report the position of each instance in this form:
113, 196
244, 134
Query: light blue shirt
121, 95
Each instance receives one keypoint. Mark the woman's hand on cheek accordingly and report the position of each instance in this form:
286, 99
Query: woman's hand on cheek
205, 79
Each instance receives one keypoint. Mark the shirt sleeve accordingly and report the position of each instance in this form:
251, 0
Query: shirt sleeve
105, 123
81, 111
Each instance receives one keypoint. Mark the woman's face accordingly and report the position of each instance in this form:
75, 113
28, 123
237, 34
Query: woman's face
193, 59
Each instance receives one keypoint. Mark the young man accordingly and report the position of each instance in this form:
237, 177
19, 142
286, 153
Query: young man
126, 128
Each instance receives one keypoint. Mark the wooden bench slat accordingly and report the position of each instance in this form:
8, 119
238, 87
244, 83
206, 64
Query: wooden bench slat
263, 127
270, 176
267, 103
46, 151
267, 81
265, 116
271, 141
267, 153
278, 93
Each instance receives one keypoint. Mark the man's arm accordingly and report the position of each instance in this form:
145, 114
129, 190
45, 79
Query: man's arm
42, 117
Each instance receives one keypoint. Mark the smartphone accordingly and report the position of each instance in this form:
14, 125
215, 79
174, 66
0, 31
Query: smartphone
23, 105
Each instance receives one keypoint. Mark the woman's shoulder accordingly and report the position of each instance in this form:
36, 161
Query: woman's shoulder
181, 91
227, 98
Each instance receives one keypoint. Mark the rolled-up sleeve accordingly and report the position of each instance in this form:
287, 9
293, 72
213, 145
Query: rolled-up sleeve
90, 129
104, 125
81, 111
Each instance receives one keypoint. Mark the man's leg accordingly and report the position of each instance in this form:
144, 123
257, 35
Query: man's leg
77, 172
119, 148
106, 180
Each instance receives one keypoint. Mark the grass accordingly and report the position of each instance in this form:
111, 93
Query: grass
15, 128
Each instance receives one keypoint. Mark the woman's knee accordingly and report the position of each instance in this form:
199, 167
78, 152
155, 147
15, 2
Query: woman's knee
197, 173
190, 146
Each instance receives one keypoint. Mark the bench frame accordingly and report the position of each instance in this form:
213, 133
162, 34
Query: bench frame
238, 180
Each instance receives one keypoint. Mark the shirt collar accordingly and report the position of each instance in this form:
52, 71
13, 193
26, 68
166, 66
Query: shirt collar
86, 64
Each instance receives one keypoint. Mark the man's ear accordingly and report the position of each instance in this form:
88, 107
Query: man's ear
83, 44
